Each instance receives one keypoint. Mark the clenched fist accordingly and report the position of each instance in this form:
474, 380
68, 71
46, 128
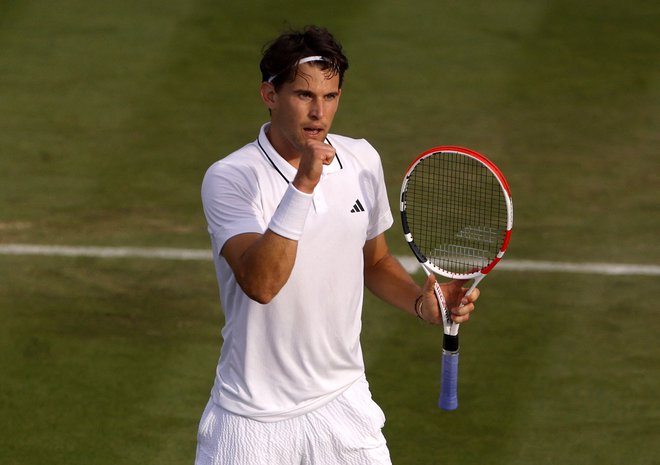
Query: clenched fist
315, 154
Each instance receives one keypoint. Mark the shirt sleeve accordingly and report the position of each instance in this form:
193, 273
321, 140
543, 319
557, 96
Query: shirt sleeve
380, 216
231, 201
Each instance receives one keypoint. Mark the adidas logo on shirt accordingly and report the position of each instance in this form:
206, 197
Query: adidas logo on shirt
357, 208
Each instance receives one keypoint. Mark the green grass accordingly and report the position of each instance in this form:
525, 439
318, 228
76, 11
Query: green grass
111, 113
105, 361
544, 379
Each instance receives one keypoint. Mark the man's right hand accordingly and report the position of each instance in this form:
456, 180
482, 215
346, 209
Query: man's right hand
315, 154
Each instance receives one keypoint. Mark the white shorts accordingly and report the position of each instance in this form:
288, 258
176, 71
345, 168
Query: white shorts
345, 431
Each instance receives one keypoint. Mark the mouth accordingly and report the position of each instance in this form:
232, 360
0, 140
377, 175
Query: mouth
312, 132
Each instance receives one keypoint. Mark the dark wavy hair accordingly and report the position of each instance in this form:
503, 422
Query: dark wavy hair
280, 56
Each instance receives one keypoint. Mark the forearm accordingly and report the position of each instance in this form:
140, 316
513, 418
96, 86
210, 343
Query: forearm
261, 263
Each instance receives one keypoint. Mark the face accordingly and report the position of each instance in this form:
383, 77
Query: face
302, 109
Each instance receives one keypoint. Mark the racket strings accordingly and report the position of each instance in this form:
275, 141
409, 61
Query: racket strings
456, 212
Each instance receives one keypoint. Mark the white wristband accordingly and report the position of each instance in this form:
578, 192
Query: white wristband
289, 218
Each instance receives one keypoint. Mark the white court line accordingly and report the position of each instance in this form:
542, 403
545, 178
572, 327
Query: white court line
408, 262
105, 252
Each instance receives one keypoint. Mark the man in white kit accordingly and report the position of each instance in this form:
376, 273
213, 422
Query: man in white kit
297, 221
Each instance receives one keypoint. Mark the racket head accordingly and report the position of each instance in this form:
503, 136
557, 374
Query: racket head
456, 212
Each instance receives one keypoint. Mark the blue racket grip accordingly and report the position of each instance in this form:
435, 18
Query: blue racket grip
449, 383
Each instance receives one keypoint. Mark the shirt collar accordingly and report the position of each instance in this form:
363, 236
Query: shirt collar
286, 170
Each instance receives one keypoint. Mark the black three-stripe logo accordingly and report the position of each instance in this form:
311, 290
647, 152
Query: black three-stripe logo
357, 208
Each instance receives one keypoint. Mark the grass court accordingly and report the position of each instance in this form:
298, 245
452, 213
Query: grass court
110, 113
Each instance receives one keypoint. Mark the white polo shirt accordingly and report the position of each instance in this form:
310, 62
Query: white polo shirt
302, 349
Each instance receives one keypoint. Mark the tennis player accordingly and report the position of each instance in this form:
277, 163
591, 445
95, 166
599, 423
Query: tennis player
297, 220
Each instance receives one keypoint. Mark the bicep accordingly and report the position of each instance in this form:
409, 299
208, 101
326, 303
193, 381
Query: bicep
379, 264
385, 277
374, 250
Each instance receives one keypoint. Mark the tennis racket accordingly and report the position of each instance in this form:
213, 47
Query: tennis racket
457, 215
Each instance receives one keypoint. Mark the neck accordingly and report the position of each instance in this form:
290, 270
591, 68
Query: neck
283, 147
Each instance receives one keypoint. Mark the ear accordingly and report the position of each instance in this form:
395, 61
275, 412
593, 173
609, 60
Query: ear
268, 94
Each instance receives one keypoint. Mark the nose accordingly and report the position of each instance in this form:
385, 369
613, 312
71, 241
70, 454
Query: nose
316, 109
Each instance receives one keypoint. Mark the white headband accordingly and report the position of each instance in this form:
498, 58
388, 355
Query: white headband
300, 62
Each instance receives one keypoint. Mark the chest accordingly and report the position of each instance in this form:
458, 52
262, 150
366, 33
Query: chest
341, 211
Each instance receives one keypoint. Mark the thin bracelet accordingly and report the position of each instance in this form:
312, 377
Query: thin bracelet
418, 307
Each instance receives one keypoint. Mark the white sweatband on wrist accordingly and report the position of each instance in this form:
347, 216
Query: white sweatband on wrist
289, 218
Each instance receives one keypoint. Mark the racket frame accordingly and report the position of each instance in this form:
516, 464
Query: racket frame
429, 266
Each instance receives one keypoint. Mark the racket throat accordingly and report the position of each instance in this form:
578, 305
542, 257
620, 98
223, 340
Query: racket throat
450, 343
